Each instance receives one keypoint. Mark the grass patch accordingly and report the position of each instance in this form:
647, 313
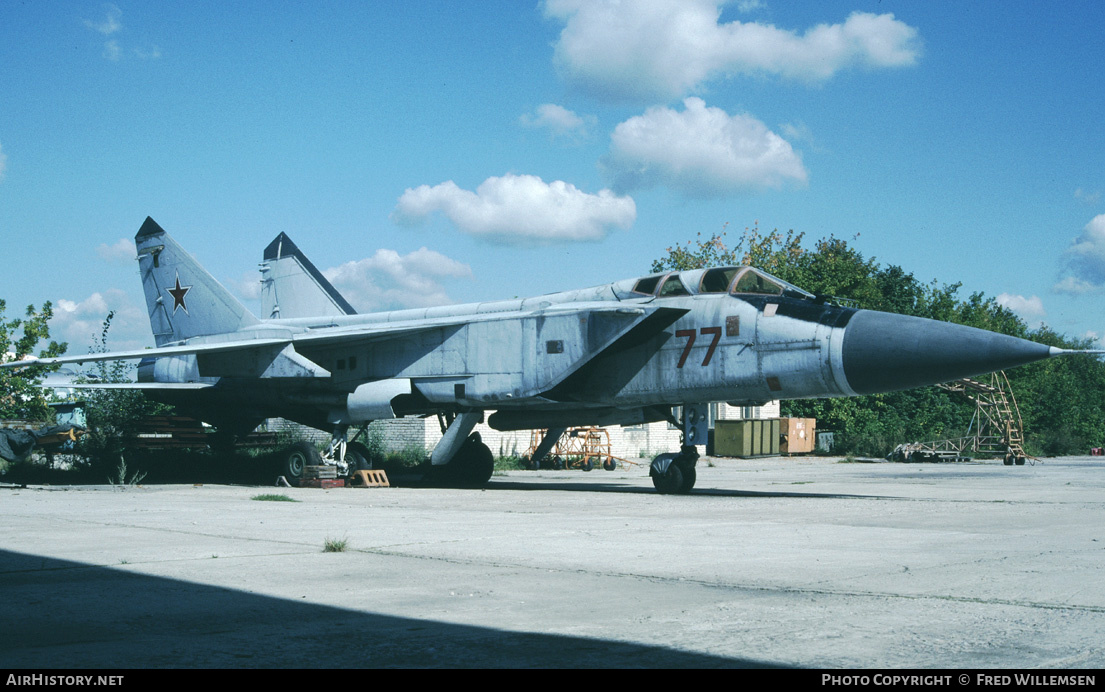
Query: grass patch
335, 545
121, 480
408, 458
508, 463
273, 497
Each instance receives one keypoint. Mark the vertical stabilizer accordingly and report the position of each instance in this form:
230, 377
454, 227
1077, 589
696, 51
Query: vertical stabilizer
182, 298
292, 287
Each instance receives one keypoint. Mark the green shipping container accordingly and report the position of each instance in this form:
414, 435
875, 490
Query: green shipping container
746, 438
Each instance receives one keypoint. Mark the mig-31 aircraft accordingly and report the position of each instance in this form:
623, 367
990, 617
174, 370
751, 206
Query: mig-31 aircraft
622, 353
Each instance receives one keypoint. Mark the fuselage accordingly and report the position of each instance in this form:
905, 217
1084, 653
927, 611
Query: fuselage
619, 352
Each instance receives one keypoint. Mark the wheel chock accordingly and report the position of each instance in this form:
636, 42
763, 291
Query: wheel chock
370, 479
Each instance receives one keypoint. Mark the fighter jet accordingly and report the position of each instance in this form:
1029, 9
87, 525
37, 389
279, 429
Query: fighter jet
623, 353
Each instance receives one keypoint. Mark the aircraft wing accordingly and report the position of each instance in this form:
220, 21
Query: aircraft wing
185, 350
159, 386
239, 345
583, 331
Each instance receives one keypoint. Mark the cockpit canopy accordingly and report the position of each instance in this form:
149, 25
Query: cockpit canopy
734, 280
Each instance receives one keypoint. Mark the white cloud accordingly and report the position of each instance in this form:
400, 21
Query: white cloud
664, 49
388, 280
797, 131
112, 51
701, 151
558, 120
519, 209
750, 5
1031, 310
120, 252
1089, 197
1074, 286
80, 322
109, 24
1084, 260
247, 286
150, 53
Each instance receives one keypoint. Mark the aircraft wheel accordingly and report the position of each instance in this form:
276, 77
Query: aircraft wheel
669, 482
475, 462
689, 477
356, 455
482, 464
296, 458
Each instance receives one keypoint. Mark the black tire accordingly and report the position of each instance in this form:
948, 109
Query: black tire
481, 464
472, 466
1008, 461
689, 477
558, 464
587, 465
295, 459
610, 465
669, 482
357, 457
1019, 461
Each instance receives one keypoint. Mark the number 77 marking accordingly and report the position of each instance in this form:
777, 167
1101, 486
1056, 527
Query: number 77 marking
689, 335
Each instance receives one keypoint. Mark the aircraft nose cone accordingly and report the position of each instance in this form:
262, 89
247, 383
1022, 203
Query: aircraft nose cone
883, 352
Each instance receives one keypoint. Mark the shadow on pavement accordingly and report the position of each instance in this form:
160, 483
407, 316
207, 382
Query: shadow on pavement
62, 614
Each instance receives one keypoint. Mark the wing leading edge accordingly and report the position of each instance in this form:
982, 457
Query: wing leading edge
581, 334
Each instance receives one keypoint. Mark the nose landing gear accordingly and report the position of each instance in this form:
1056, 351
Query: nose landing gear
674, 473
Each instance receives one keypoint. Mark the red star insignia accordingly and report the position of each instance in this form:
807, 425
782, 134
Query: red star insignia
178, 294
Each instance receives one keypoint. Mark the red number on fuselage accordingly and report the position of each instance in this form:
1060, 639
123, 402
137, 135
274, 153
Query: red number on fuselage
689, 335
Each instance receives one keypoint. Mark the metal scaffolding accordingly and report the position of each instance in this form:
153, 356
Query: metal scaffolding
996, 428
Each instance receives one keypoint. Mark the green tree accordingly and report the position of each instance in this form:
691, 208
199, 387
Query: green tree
772, 252
112, 414
20, 395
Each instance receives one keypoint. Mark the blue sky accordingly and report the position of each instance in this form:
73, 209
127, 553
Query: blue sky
435, 152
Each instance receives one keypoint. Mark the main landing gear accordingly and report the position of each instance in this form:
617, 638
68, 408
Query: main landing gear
674, 473
346, 456
461, 458
471, 467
